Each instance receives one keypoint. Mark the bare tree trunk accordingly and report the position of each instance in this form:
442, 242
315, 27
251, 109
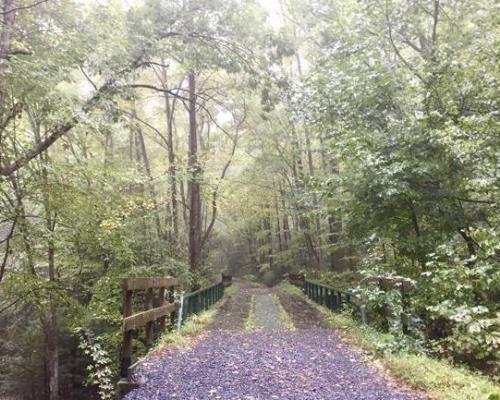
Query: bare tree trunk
23, 223
147, 169
278, 224
286, 227
303, 221
182, 190
108, 149
50, 320
7, 250
51, 331
169, 114
194, 182
8, 22
334, 221
269, 237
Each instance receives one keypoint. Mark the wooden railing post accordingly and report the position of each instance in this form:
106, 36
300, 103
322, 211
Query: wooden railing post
147, 318
127, 335
161, 302
148, 305
173, 314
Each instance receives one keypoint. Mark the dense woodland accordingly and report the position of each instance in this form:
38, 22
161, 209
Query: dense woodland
349, 140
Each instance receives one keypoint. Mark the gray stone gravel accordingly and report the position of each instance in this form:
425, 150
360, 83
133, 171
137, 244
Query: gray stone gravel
267, 313
270, 363
264, 365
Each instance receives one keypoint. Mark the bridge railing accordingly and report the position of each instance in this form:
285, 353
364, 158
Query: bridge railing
333, 298
200, 300
158, 302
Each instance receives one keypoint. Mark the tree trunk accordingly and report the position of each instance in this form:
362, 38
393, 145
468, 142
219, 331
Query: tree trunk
278, 224
286, 227
8, 21
23, 224
50, 326
49, 318
169, 115
51, 332
194, 182
147, 169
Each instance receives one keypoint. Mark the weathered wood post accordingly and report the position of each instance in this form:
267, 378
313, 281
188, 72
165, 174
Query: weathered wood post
161, 303
127, 335
148, 305
146, 318
173, 314
227, 279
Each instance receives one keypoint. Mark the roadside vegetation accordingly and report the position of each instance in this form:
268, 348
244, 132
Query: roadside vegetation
437, 378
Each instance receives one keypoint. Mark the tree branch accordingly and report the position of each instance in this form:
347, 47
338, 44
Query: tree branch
395, 48
23, 7
434, 26
216, 190
88, 78
55, 133
7, 248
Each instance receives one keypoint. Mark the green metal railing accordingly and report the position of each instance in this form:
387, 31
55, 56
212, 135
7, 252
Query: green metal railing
333, 299
200, 300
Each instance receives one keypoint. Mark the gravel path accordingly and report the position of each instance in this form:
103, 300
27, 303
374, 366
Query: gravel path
233, 313
302, 314
263, 365
266, 364
267, 313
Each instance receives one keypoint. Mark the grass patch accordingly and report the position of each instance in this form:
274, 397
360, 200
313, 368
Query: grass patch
250, 321
285, 317
193, 326
231, 290
438, 378
292, 289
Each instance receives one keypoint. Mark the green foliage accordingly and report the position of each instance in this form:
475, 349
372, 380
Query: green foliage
99, 368
414, 136
368, 147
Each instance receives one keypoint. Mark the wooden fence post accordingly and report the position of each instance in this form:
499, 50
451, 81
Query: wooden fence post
148, 305
147, 318
127, 335
173, 314
161, 302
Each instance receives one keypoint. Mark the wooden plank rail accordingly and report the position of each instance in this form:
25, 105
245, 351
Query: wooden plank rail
143, 318
148, 318
149, 283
